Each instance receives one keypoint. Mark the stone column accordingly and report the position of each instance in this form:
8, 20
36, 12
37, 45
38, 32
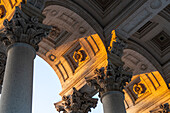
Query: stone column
110, 83
2, 68
21, 36
111, 80
76, 103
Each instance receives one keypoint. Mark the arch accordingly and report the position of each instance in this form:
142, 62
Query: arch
147, 82
77, 36
79, 11
70, 72
136, 63
146, 54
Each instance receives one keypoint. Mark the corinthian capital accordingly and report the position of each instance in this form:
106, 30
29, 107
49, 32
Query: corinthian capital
25, 29
76, 103
110, 78
2, 66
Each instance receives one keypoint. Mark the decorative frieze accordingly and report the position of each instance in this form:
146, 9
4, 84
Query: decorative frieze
110, 78
22, 28
76, 103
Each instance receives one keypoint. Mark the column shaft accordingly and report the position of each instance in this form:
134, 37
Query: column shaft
18, 79
113, 102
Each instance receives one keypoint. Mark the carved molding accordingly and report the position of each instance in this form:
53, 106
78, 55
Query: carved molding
110, 78
76, 103
22, 28
136, 63
142, 15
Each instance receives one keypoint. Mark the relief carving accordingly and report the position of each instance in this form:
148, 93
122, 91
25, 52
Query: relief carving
139, 88
110, 78
76, 103
23, 29
2, 11
66, 18
79, 56
55, 32
52, 57
117, 45
163, 108
82, 30
155, 4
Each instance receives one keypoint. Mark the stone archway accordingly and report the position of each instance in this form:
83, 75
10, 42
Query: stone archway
146, 82
75, 51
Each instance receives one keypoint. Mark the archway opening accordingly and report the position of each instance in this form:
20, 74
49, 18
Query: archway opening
46, 87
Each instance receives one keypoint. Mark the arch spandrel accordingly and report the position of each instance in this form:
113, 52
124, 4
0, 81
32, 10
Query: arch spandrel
146, 92
136, 63
74, 51
146, 85
72, 68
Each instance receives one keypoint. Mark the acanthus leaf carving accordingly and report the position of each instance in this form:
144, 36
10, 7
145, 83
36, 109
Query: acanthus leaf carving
76, 103
22, 28
110, 78
163, 108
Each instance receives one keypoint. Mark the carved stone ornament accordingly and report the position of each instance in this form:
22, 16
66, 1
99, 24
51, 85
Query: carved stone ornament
139, 88
25, 29
55, 32
110, 78
163, 108
117, 45
2, 11
79, 56
2, 66
76, 103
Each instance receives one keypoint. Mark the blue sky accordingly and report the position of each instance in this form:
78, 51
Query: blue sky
47, 87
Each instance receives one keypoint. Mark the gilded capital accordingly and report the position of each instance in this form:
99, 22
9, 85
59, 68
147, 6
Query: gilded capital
109, 78
22, 28
76, 103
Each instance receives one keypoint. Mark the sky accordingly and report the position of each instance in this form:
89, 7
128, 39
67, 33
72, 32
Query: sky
46, 89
